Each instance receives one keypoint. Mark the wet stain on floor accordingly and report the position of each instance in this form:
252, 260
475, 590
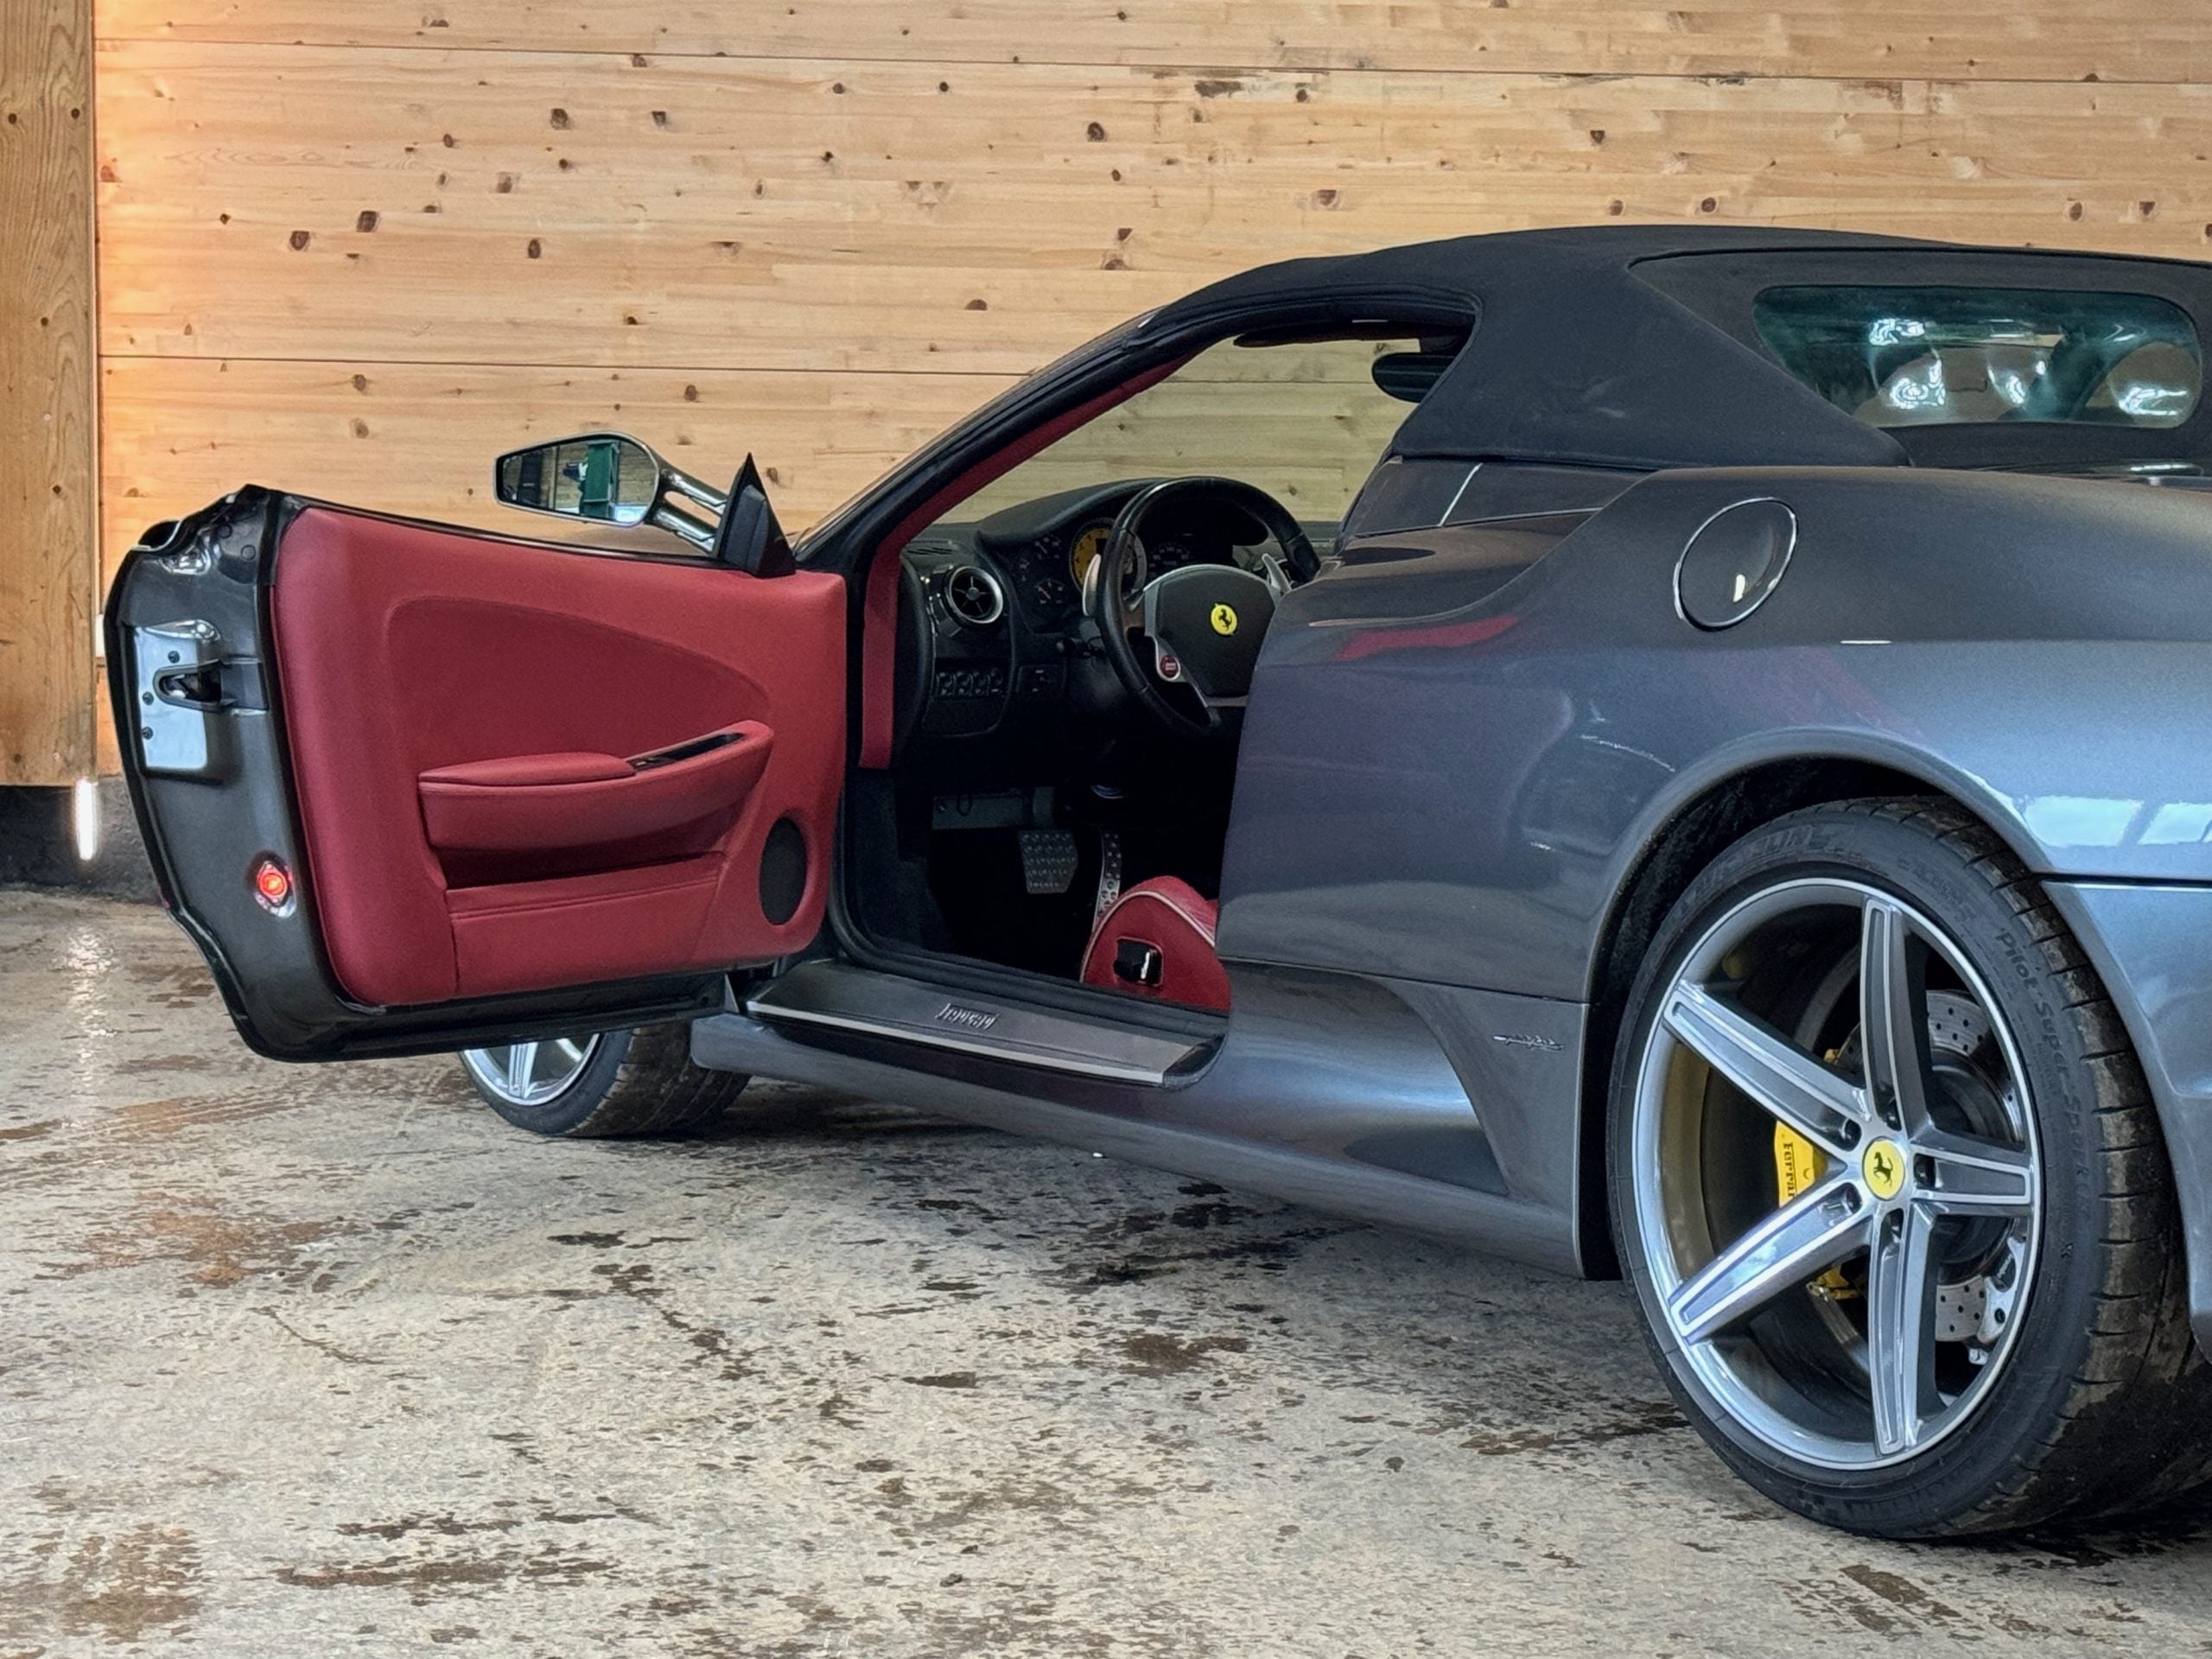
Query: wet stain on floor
300, 1359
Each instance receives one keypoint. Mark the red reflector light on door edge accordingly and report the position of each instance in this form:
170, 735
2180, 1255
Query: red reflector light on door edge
272, 884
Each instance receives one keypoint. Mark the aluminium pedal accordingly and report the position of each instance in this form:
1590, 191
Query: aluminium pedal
1048, 862
1109, 876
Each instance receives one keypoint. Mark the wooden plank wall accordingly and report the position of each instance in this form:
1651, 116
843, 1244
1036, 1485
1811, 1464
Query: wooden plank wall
358, 249
47, 510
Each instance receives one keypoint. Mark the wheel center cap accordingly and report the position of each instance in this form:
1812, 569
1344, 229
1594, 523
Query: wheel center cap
1883, 1169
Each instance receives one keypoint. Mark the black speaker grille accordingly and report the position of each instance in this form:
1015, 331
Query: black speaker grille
783, 873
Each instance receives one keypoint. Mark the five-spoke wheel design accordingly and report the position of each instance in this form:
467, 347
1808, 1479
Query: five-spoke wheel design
1889, 1183
1836, 1179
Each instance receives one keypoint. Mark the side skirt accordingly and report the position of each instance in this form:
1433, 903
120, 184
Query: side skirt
1326, 1091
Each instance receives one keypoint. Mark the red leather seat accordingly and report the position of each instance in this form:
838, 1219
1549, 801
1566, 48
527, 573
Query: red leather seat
1156, 941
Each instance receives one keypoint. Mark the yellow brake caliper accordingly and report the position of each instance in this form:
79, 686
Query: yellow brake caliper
1797, 1165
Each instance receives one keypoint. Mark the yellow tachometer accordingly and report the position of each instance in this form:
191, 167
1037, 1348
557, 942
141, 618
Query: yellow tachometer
1089, 545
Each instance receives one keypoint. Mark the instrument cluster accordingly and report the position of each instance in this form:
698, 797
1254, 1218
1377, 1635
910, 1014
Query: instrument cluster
1045, 584
1049, 572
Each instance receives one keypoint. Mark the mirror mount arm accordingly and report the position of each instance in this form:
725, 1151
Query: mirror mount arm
676, 480
682, 525
699, 530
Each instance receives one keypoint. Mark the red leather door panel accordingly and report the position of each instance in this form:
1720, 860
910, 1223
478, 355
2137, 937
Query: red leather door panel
462, 713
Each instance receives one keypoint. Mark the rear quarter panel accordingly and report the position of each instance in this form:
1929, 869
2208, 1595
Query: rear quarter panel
1450, 767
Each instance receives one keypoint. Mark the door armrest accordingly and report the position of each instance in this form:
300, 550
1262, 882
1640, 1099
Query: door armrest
575, 800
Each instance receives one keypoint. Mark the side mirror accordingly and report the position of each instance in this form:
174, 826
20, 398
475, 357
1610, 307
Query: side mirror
605, 478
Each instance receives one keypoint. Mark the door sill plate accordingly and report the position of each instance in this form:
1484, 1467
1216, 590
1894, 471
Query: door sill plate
840, 997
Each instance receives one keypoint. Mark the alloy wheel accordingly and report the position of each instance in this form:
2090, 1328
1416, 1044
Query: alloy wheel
1836, 1178
530, 1074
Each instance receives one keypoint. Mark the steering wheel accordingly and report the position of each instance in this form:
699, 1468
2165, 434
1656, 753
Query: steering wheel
1204, 622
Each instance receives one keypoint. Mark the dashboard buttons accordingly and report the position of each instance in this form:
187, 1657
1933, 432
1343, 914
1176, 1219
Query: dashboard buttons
971, 683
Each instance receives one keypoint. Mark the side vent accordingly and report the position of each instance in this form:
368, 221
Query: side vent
973, 595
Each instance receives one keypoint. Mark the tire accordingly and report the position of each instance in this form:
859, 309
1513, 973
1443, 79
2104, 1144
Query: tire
1996, 1333
638, 1082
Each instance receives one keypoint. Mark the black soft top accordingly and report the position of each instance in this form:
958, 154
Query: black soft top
1633, 345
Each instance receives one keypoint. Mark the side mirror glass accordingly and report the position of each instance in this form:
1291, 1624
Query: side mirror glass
603, 478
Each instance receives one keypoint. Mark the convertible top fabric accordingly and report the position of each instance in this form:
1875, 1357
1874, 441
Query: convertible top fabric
1606, 345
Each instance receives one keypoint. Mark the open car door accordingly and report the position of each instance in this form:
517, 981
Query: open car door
410, 787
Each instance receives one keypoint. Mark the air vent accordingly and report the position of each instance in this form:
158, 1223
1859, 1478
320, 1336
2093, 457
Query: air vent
973, 595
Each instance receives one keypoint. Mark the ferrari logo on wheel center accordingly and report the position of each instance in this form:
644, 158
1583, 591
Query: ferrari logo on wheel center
1883, 1168
1225, 620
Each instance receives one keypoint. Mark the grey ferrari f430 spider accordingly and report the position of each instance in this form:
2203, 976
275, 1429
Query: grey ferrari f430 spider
1659, 752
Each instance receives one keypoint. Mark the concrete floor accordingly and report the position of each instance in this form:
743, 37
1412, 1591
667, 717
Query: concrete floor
310, 1361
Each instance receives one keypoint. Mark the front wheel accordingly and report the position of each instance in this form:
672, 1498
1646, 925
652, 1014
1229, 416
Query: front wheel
609, 1082
1891, 1191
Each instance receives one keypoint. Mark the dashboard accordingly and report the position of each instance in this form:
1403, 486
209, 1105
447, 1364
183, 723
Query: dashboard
992, 619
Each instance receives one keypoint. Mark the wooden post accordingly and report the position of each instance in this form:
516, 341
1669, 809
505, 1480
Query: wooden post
48, 500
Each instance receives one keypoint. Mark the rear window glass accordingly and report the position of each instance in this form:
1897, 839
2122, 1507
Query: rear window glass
1924, 356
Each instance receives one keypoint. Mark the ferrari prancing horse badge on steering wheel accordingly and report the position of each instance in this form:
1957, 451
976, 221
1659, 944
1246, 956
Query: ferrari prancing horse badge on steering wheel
1225, 620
